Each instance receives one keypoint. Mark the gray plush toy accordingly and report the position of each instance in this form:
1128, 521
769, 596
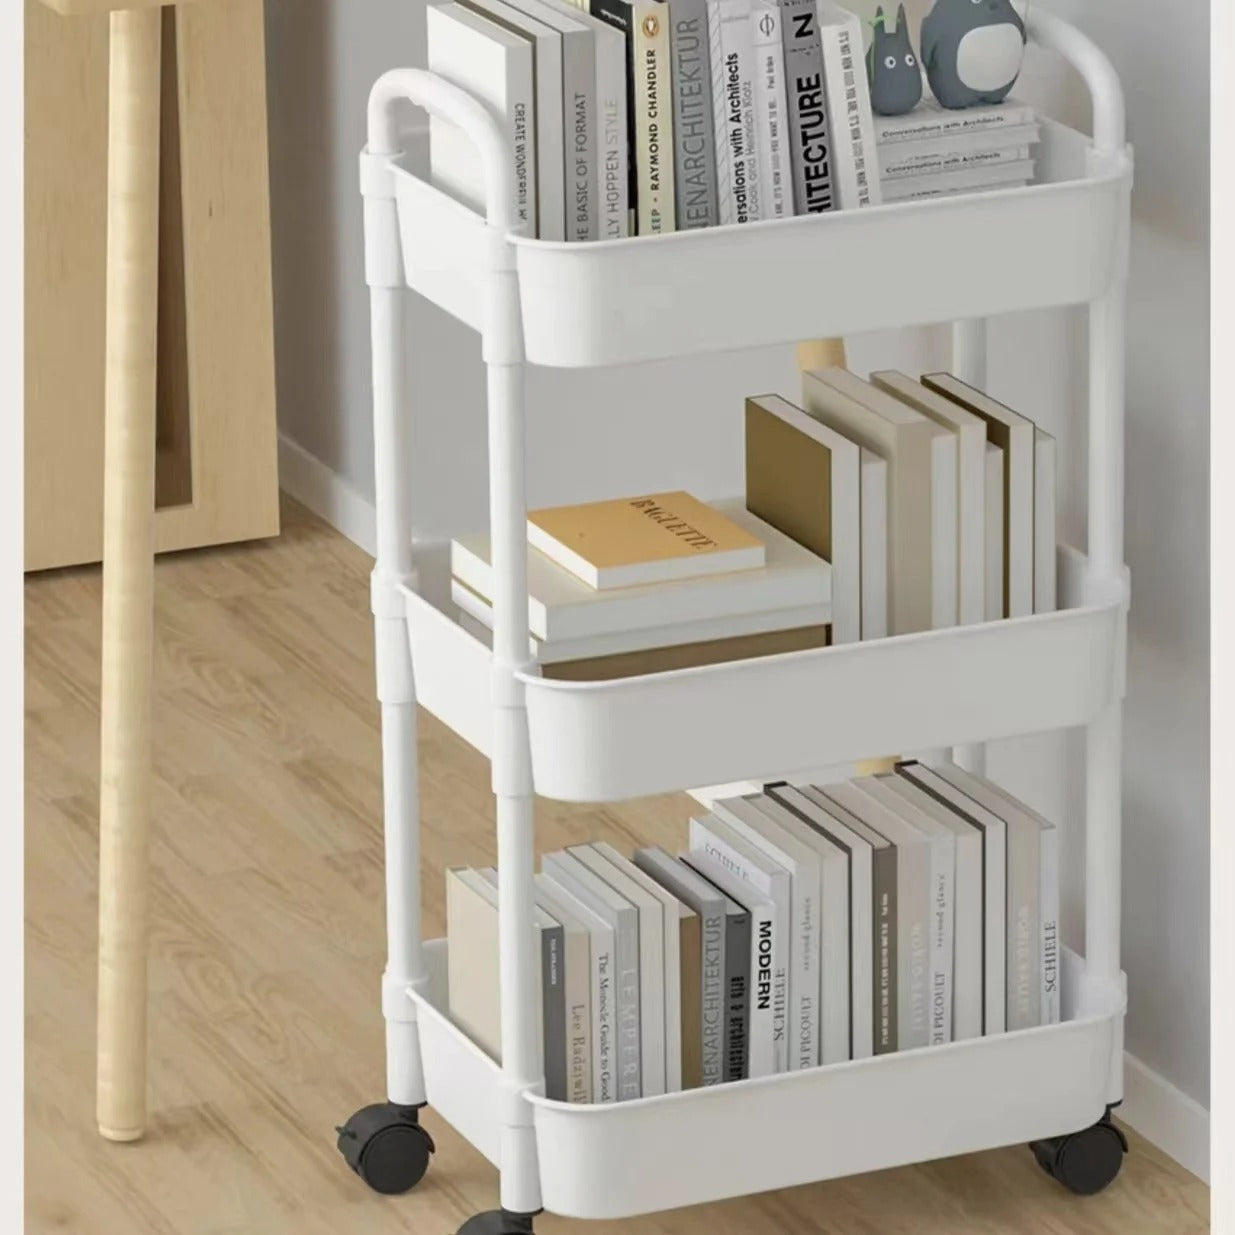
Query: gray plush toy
972, 50
894, 73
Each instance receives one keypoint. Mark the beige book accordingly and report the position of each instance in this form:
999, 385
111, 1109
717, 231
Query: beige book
803, 478
472, 964
691, 960
921, 457
638, 540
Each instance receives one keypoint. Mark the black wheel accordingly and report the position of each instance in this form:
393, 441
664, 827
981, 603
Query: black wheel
1084, 1162
498, 1222
386, 1146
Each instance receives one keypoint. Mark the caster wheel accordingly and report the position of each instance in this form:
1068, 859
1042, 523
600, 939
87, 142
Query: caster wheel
1084, 1162
498, 1222
386, 1146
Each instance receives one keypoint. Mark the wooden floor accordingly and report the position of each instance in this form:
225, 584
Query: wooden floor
268, 938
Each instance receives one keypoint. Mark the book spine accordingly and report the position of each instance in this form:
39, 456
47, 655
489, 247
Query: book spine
690, 978
913, 947
884, 870
1049, 915
766, 1048
942, 920
775, 174
1024, 954
737, 996
915, 126
626, 947
995, 581
620, 15
850, 119
725, 204
810, 146
580, 102
553, 999
863, 973
578, 1018
613, 163
967, 980
604, 1020
733, 86
1044, 599
694, 136
522, 112
714, 996
654, 118
899, 162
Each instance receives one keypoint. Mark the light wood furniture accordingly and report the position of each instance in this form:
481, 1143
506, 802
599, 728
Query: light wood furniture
268, 938
216, 461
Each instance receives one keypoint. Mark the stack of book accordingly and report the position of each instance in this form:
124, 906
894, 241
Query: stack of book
934, 152
652, 583
934, 503
804, 925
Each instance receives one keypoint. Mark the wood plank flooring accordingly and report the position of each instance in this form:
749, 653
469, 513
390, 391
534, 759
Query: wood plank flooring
268, 938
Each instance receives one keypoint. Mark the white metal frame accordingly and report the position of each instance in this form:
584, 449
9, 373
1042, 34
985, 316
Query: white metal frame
407, 977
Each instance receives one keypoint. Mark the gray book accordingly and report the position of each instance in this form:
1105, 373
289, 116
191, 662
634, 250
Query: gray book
567, 870
810, 143
694, 137
709, 904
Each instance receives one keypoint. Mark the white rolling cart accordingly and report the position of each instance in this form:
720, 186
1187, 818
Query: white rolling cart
1062, 241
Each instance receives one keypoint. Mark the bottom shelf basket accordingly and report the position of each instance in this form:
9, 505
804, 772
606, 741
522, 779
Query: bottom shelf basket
622, 1159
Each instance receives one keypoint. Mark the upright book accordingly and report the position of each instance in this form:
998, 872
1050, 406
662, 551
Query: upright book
874, 545
1043, 522
810, 139
771, 110
732, 49
850, 120
694, 135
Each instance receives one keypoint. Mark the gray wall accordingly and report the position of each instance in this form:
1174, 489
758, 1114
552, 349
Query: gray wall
675, 424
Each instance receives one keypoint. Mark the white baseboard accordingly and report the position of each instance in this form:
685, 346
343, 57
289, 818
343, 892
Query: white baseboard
1162, 1114
1166, 1117
306, 478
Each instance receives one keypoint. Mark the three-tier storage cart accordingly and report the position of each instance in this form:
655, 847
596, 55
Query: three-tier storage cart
1063, 241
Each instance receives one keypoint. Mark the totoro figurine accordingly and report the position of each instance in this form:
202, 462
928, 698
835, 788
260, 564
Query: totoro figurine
892, 68
972, 50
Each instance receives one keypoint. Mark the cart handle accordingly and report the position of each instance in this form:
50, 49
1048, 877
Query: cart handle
448, 102
1090, 61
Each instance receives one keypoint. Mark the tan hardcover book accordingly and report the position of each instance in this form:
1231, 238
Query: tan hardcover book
803, 477
472, 965
922, 521
691, 961
687, 655
639, 540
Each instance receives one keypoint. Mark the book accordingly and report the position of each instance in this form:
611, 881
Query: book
495, 66
770, 987
577, 953
553, 1011
930, 119
548, 116
566, 871
694, 132
1014, 435
874, 550
802, 923
653, 538
561, 606
912, 912
650, 968
810, 141
708, 905
851, 122
995, 516
1044, 600
970, 433
473, 977
921, 457
771, 111
994, 898
783, 828
980, 179
749, 931
603, 993
803, 478
732, 56
926, 158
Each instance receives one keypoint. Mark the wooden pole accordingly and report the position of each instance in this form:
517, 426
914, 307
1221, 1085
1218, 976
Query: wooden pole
128, 567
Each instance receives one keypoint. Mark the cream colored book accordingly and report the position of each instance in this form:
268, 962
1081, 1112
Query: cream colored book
994, 532
632, 541
921, 457
1044, 599
472, 961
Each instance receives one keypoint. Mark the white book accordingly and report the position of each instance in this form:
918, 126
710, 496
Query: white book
921, 458
803, 922
898, 168
912, 910
651, 934
495, 66
835, 943
566, 871
771, 110
732, 52
671, 982
581, 980
1043, 522
874, 545
942, 897
548, 117
930, 119
766, 944
935, 153
970, 434
926, 188
563, 607
1014, 435
479, 613
994, 533
612, 101
602, 947
995, 884
851, 123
